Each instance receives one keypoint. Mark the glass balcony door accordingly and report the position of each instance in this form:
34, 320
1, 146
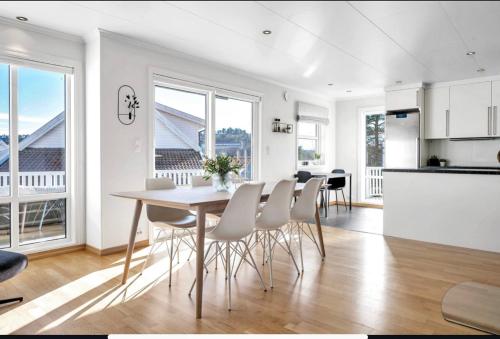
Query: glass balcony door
34, 157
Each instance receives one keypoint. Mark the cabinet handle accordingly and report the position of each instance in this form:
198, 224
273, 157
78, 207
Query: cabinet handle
447, 122
417, 98
489, 120
495, 123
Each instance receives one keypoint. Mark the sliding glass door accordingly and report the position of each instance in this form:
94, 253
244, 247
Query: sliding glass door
34, 111
194, 121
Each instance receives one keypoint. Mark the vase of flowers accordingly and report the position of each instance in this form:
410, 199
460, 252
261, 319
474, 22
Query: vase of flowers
220, 170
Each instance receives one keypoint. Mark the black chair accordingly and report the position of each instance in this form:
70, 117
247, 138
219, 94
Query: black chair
303, 176
11, 264
337, 184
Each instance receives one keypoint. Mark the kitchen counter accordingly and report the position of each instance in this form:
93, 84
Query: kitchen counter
451, 169
444, 206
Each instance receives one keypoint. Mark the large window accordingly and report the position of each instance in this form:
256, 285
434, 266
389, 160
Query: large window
33, 155
308, 143
233, 131
192, 122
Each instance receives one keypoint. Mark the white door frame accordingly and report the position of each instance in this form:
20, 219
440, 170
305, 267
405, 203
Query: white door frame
362, 113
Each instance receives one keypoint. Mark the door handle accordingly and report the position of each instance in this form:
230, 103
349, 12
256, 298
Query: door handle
489, 120
447, 122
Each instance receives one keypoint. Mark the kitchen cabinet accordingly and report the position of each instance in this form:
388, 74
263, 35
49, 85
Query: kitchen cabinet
403, 99
437, 112
495, 103
470, 110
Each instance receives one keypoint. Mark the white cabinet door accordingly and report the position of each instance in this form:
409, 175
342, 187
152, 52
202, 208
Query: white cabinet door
437, 106
402, 99
495, 102
469, 110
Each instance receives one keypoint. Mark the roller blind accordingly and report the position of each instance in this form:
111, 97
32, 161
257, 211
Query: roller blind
315, 113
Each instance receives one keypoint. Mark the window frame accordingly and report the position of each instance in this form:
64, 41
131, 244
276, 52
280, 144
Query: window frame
317, 138
72, 144
170, 79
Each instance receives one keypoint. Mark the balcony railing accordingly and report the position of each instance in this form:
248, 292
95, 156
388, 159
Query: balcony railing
47, 181
374, 182
180, 177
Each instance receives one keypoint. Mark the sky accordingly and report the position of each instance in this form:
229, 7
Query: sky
41, 96
229, 113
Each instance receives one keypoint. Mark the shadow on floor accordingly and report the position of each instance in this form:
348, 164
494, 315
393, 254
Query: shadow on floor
361, 219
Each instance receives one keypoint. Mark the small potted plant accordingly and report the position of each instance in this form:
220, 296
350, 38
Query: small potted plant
317, 158
433, 161
220, 169
442, 162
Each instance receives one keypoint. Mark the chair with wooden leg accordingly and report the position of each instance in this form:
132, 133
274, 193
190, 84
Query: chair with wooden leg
236, 223
303, 211
171, 222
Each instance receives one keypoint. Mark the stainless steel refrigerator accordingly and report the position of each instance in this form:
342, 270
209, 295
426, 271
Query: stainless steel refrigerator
402, 139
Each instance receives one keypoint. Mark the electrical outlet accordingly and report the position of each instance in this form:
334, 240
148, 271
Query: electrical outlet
138, 232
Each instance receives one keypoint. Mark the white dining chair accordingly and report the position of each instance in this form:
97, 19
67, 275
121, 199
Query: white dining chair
199, 180
237, 222
172, 220
275, 214
304, 210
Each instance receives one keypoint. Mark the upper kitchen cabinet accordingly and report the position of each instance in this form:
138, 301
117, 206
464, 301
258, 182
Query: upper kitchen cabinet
495, 103
470, 110
403, 99
437, 112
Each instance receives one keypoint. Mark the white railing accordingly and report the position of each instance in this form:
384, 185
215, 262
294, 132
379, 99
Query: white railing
180, 177
374, 182
36, 179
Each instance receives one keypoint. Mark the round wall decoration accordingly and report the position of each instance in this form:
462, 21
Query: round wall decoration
127, 104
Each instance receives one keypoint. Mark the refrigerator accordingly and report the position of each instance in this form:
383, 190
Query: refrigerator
402, 139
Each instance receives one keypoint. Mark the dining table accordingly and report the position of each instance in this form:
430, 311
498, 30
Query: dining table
327, 176
202, 200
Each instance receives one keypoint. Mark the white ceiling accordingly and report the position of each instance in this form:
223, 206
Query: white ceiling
361, 46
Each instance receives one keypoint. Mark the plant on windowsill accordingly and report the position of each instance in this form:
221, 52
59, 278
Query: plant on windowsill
317, 159
220, 169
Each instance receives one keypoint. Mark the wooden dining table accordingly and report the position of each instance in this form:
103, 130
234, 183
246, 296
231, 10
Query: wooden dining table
202, 200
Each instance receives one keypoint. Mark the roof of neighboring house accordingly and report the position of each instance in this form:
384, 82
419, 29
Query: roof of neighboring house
179, 114
177, 159
39, 133
39, 160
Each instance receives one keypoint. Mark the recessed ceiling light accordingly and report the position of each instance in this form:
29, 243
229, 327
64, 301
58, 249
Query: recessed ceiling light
266, 32
480, 70
399, 82
471, 53
330, 84
21, 18
349, 91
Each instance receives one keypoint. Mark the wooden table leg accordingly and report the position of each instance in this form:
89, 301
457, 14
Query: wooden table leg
200, 252
320, 232
131, 240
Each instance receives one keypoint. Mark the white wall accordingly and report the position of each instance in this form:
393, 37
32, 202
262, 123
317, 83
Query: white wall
482, 153
45, 45
124, 149
55, 138
93, 142
347, 136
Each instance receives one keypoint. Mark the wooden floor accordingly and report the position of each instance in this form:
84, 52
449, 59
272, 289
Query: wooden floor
367, 284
